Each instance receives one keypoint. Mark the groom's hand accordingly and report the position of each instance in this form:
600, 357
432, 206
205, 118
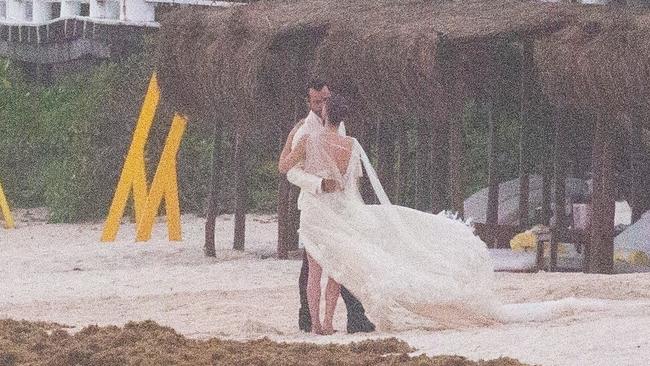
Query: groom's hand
329, 185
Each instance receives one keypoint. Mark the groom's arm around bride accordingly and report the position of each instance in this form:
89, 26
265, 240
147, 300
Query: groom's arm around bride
317, 94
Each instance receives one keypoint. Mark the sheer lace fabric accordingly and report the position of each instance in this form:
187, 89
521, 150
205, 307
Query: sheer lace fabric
410, 269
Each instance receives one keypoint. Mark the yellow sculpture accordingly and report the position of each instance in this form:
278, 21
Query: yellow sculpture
4, 209
134, 177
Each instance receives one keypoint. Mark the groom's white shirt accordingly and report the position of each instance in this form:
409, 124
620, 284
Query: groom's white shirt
307, 182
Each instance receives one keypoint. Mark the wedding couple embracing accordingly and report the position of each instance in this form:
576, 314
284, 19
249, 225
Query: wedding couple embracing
401, 268
404, 268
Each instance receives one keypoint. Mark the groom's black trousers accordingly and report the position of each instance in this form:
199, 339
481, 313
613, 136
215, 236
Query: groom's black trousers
356, 312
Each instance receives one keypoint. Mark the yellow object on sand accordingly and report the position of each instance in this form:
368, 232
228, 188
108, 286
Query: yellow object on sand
635, 257
524, 242
527, 241
134, 178
5, 211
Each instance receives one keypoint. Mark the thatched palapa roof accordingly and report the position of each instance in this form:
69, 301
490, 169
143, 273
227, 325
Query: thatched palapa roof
249, 64
600, 63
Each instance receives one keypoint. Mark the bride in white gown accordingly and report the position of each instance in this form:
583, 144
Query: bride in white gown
410, 269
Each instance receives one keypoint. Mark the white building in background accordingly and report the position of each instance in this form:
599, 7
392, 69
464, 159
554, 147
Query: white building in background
141, 12
41, 11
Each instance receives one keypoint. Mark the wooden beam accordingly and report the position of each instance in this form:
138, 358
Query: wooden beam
239, 163
492, 214
559, 185
526, 102
601, 257
215, 180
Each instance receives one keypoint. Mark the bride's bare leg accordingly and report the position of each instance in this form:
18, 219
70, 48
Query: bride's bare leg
313, 294
332, 293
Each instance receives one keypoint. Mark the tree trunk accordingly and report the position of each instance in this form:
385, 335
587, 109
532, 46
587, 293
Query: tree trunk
239, 163
283, 217
559, 183
492, 214
526, 91
402, 179
215, 180
422, 151
601, 257
637, 168
439, 165
456, 164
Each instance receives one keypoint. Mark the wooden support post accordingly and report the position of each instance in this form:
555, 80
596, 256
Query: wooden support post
283, 217
422, 151
601, 257
294, 219
239, 163
401, 182
439, 161
526, 101
213, 196
367, 140
456, 152
547, 177
492, 214
637, 169
559, 186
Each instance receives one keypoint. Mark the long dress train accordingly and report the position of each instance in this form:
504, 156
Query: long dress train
409, 268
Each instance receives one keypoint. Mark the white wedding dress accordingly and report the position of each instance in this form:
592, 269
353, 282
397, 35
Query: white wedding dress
410, 269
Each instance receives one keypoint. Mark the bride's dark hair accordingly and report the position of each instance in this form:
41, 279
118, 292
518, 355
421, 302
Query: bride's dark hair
337, 109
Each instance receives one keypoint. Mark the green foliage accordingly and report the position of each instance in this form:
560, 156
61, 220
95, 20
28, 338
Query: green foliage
64, 144
476, 146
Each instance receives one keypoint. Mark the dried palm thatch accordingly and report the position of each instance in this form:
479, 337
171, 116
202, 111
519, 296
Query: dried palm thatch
599, 64
248, 65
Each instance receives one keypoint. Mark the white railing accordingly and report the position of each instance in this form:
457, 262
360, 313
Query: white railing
131, 12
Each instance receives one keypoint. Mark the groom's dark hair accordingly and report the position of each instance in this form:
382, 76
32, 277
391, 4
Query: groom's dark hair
316, 84
337, 108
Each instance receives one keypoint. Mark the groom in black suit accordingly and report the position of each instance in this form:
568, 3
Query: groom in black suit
317, 94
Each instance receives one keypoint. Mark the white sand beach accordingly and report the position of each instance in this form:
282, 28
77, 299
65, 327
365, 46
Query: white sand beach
62, 273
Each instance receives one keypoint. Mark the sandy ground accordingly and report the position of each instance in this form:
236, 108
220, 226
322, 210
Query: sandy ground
62, 273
